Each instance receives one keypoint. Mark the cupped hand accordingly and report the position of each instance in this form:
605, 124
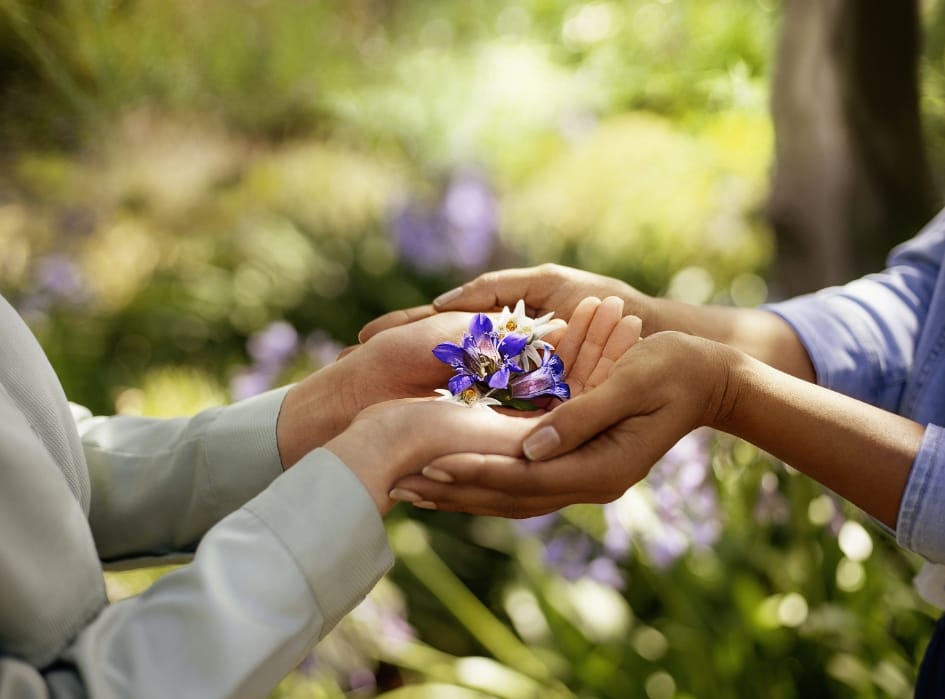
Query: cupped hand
547, 288
391, 439
594, 447
396, 363
399, 363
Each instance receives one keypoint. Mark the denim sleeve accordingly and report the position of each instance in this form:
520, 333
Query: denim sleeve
862, 337
922, 511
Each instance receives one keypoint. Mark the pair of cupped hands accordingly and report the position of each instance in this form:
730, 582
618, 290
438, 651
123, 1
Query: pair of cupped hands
632, 399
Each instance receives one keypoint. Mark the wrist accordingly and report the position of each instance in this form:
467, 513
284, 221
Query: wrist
725, 389
313, 411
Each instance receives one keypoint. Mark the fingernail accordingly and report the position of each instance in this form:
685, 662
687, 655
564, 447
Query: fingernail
425, 504
541, 442
448, 296
435, 474
404, 495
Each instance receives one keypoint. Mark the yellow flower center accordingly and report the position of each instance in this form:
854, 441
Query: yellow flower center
511, 325
469, 395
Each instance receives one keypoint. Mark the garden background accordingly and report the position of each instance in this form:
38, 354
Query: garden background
199, 201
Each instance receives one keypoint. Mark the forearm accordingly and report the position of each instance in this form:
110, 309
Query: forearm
159, 484
861, 452
266, 583
759, 333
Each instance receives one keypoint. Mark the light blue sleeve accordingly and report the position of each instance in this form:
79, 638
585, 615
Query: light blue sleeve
921, 524
862, 337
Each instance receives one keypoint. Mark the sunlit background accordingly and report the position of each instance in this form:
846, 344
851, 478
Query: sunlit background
200, 201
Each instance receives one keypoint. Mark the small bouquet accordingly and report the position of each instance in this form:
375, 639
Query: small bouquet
505, 364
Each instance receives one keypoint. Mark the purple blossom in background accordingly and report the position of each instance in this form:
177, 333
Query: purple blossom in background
322, 348
535, 526
458, 232
251, 382
56, 280
274, 345
271, 349
59, 277
470, 212
605, 571
684, 502
617, 539
674, 511
569, 552
419, 238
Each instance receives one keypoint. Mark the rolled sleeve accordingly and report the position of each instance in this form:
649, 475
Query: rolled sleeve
862, 337
922, 512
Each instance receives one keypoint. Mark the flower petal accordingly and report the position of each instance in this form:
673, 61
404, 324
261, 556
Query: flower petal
499, 379
512, 345
460, 383
448, 353
480, 325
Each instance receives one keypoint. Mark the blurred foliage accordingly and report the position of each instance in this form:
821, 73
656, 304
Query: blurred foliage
201, 200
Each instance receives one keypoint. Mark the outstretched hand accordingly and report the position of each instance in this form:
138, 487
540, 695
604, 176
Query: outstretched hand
547, 288
398, 362
593, 447
391, 439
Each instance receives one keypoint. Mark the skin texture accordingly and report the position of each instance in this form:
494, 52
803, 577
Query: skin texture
351, 406
741, 371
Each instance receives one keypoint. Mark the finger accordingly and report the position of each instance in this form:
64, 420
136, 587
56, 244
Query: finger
606, 318
577, 421
493, 290
346, 351
431, 495
623, 337
394, 319
509, 474
580, 321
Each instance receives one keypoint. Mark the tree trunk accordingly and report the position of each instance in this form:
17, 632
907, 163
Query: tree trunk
850, 177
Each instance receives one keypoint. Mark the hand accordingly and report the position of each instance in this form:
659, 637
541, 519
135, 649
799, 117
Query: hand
545, 289
548, 288
396, 363
392, 439
399, 363
595, 446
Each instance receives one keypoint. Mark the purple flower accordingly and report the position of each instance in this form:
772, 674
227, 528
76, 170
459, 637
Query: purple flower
546, 380
483, 356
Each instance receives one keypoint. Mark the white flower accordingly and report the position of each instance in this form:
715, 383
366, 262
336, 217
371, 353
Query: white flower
533, 328
471, 398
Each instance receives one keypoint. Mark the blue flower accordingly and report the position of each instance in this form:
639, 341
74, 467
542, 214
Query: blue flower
483, 356
546, 380
508, 365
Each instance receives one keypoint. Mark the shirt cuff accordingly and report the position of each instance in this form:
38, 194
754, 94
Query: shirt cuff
922, 511
241, 450
320, 490
805, 316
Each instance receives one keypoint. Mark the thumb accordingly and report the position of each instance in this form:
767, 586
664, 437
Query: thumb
393, 320
575, 422
488, 291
